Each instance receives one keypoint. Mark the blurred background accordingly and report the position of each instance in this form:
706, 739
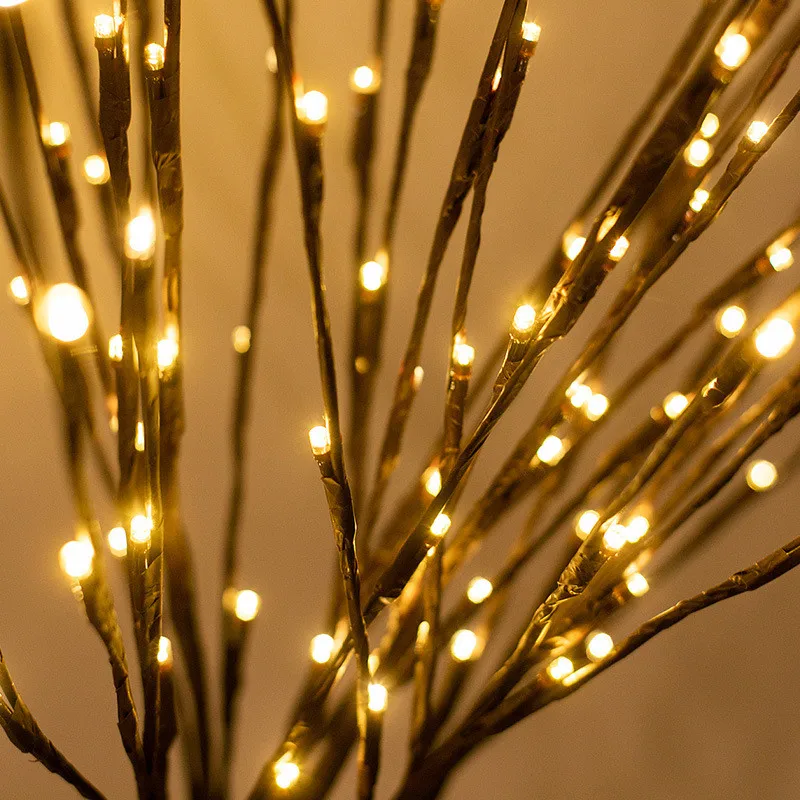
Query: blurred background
705, 710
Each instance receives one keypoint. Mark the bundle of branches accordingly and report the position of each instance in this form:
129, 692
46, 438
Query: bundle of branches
395, 610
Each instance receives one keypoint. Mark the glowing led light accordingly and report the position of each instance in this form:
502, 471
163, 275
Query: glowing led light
432, 480
440, 525
417, 377
531, 31
675, 404
699, 199
10, 3
463, 354
498, 74
19, 290
320, 440
141, 528
596, 406
423, 631
606, 225
138, 442
55, 134
373, 662
76, 559
154, 56
615, 537
559, 668
774, 338
312, 107
479, 589
322, 646
524, 318
164, 655
241, 338
581, 395
377, 697
464, 645
697, 153
637, 584
113, 423
731, 320
619, 249
140, 236
709, 126
95, 170
780, 257
364, 80
573, 246
166, 353
585, 523
247, 605
551, 450
761, 475
286, 773
598, 646
115, 347
372, 275
63, 312
637, 528
757, 131
104, 26
118, 542
732, 50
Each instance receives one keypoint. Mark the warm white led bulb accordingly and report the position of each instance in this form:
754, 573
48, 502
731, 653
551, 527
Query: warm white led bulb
699, 199
322, 646
551, 450
524, 318
320, 440
675, 404
63, 312
55, 134
141, 528
76, 559
166, 353
140, 236
440, 525
559, 668
761, 475
247, 605
118, 542
580, 396
774, 338
780, 257
286, 774
731, 320
364, 80
710, 125
20, 290
585, 523
732, 50
241, 338
95, 170
432, 480
697, 153
637, 527
598, 645
138, 441
154, 56
479, 589
596, 406
573, 246
637, 584
312, 107
377, 697
531, 31
104, 26
164, 655
372, 275
463, 354
615, 537
619, 249
464, 645
757, 131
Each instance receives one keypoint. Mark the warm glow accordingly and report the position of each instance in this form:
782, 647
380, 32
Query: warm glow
312, 107
585, 523
780, 257
141, 528
154, 56
432, 480
286, 773
95, 170
710, 125
479, 589
373, 662
104, 27
524, 318
417, 377
138, 441
55, 134
364, 80
637, 584
322, 648
498, 75
118, 542
271, 59
463, 354
774, 338
675, 404
115, 347
241, 338
573, 246
531, 31
615, 537
699, 199
140, 236
463, 645
598, 645
697, 153
247, 605
440, 525
63, 312
581, 395
378, 697
596, 406
637, 528
559, 668
19, 290
372, 275
551, 450
619, 249
761, 475
164, 656
757, 131
606, 225
167, 353
731, 320
76, 559
732, 50
320, 440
